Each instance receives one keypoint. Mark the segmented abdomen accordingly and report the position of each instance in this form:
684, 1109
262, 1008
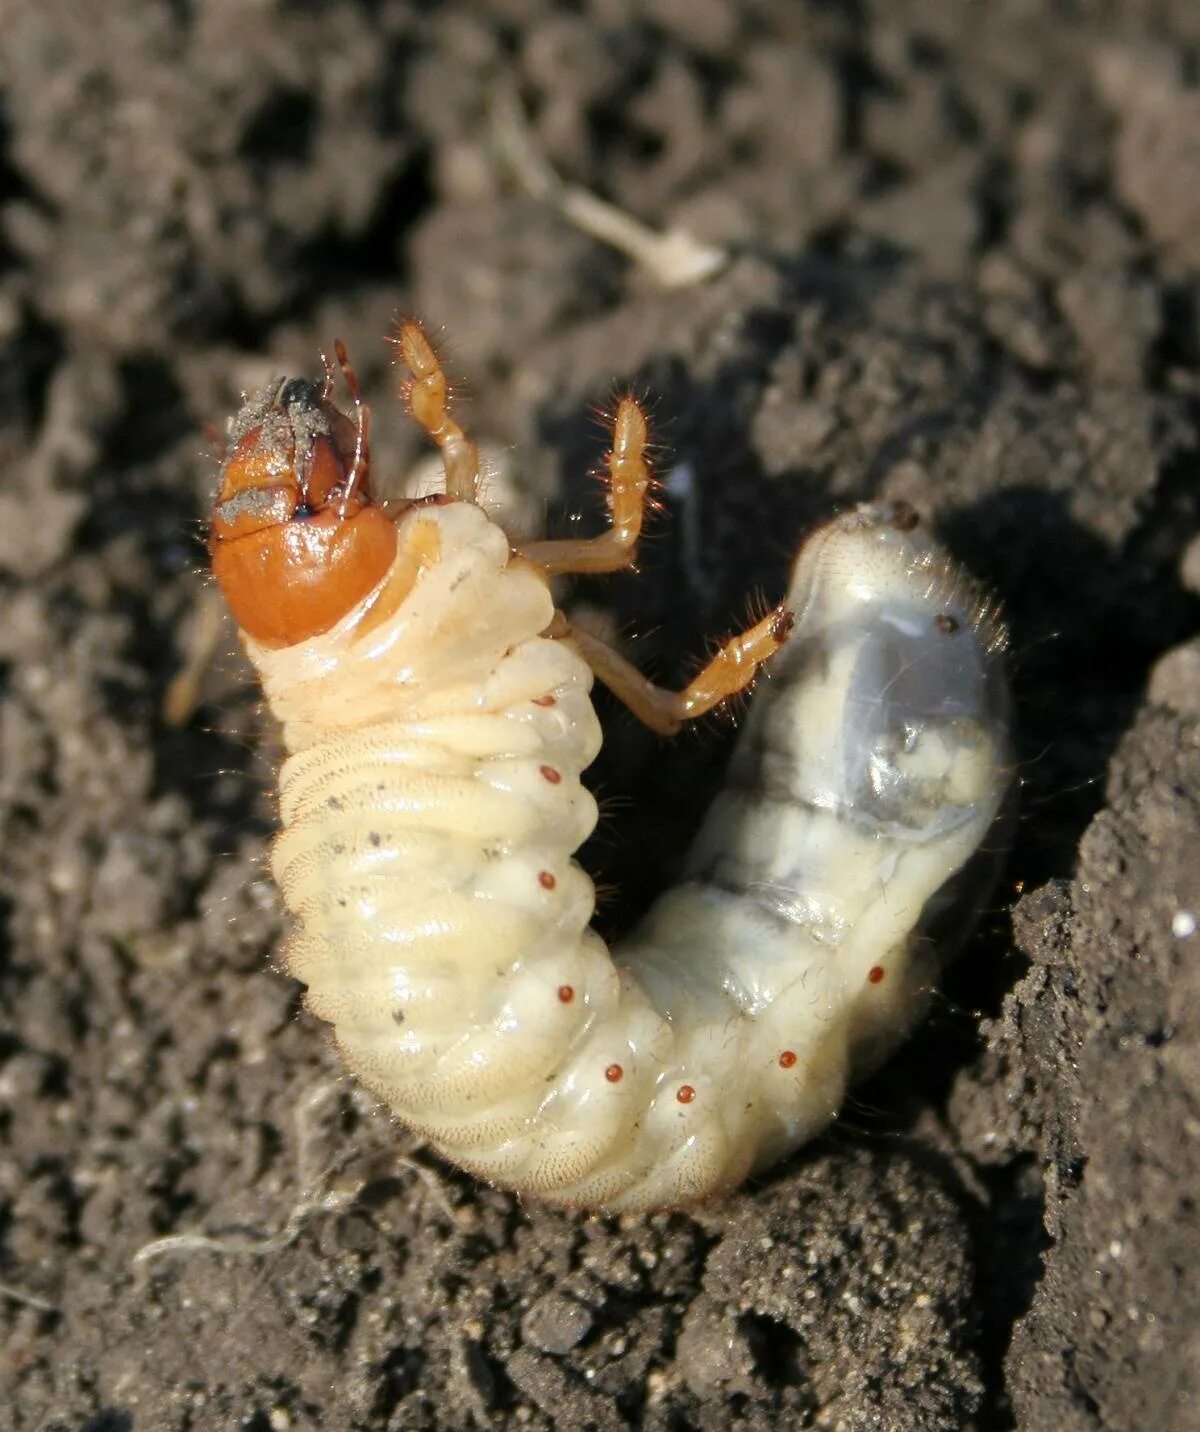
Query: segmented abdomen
432, 803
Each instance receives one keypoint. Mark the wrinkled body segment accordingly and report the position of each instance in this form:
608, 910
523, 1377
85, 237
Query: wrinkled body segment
431, 803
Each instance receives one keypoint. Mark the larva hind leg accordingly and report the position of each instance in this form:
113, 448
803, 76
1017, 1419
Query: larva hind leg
629, 484
731, 670
427, 392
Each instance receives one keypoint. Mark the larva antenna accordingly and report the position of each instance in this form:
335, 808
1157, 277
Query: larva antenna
362, 426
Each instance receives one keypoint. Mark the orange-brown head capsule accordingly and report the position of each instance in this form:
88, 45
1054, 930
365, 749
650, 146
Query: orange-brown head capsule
295, 538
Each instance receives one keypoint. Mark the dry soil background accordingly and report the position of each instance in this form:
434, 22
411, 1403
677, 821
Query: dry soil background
968, 240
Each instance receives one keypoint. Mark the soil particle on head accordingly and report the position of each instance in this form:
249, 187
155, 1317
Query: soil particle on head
963, 259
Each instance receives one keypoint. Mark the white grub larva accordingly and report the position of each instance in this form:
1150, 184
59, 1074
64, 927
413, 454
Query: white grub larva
436, 713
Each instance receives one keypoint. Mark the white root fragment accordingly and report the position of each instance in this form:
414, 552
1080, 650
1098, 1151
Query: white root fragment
673, 258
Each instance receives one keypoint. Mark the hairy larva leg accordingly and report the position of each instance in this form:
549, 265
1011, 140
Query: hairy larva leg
629, 484
427, 392
731, 670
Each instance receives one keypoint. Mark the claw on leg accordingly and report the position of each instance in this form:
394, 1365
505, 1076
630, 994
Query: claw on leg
427, 392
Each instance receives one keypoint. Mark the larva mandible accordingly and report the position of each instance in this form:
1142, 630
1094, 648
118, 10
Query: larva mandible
436, 714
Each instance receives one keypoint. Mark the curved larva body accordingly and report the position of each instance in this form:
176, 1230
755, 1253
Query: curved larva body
431, 803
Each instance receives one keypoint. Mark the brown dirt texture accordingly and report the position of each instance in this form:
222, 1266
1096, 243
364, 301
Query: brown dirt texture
965, 244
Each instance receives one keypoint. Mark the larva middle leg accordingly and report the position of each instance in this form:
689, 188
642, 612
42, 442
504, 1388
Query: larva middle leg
628, 491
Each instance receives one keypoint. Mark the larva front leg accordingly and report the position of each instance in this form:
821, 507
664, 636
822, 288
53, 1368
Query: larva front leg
428, 399
431, 802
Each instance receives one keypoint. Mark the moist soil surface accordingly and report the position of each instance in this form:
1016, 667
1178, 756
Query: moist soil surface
964, 242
